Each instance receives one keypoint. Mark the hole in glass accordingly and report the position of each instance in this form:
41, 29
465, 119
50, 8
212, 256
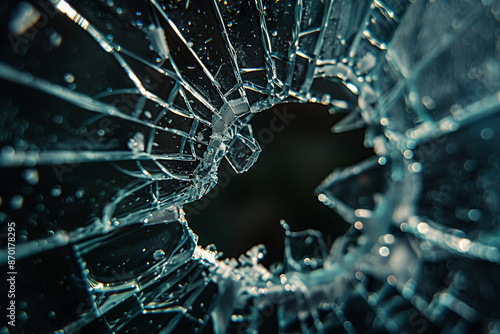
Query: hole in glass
245, 209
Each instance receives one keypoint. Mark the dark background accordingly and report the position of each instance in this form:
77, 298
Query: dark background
248, 209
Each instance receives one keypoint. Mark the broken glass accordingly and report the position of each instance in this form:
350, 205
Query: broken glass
115, 114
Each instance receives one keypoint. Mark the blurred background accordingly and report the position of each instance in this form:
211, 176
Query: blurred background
245, 209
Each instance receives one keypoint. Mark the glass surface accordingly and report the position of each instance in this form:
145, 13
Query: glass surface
115, 114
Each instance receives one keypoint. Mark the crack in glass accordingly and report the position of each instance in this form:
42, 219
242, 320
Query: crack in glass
114, 114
